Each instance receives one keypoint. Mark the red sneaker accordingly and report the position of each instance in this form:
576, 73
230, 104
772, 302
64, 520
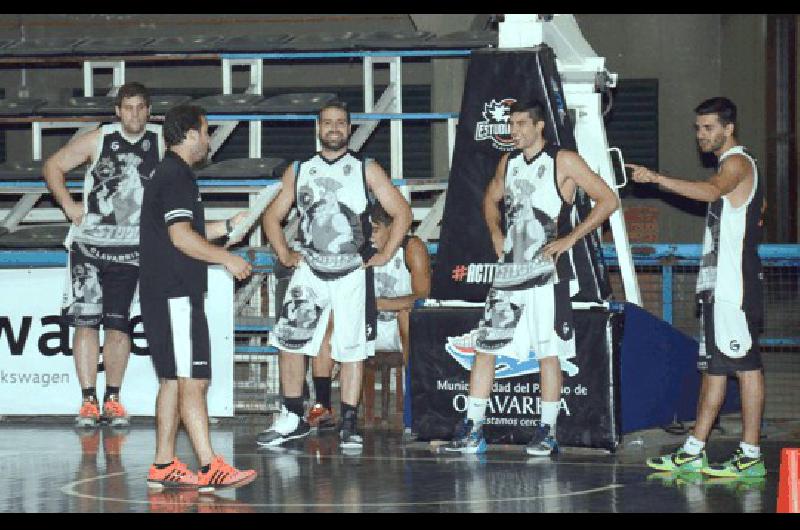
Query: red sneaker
223, 475
176, 475
88, 415
115, 413
321, 418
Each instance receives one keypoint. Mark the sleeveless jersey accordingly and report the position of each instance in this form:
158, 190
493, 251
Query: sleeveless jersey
113, 187
331, 196
730, 269
535, 215
393, 280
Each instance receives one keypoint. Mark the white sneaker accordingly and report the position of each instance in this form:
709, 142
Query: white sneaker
287, 426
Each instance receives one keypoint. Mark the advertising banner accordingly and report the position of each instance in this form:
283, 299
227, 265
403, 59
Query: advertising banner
442, 355
37, 371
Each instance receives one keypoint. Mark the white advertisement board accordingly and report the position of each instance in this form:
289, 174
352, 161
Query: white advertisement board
37, 371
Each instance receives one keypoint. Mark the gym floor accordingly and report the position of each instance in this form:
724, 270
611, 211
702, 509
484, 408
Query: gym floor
48, 466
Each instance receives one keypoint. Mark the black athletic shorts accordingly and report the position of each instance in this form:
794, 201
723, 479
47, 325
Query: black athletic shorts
101, 287
713, 361
177, 336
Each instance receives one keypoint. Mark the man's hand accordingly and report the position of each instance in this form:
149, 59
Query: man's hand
377, 260
74, 212
291, 259
642, 175
239, 267
234, 221
498, 244
555, 248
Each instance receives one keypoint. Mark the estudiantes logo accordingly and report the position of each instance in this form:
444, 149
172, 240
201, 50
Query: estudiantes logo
495, 126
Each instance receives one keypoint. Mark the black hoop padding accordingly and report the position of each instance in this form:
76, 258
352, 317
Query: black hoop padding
296, 103
245, 168
230, 103
191, 44
254, 43
44, 236
78, 106
113, 45
20, 106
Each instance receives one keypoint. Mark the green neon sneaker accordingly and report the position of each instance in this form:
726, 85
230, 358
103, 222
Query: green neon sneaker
680, 460
738, 465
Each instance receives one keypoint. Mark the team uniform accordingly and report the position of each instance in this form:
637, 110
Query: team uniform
392, 280
729, 283
103, 266
528, 308
334, 240
173, 285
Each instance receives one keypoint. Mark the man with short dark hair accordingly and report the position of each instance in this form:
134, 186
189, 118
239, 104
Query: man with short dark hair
729, 289
175, 253
334, 264
528, 309
103, 266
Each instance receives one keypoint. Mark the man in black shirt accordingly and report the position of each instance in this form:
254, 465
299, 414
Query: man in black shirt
173, 280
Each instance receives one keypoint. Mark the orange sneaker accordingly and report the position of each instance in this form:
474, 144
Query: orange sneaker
88, 415
176, 475
115, 413
321, 418
223, 475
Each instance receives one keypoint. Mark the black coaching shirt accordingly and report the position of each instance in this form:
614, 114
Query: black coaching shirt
171, 196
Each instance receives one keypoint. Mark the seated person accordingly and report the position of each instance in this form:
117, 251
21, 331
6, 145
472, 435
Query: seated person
404, 279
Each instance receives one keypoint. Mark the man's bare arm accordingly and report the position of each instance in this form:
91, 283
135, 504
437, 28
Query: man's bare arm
395, 205
196, 246
275, 213
732, 172
606, 201
491, 211
419, 265
78, 151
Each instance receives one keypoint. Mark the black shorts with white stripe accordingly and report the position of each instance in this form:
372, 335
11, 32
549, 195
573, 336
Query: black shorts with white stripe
177, 336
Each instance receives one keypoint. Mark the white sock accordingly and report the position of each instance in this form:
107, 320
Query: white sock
476, 409
750, 451
550, 414
693, 446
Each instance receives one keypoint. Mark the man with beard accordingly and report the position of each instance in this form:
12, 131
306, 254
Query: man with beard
174, 282
528, 309
105, 238
729, 289
337, 282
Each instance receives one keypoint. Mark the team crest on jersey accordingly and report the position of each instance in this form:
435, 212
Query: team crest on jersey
540, 172
146, 145
312, 171
347, 170
495, 126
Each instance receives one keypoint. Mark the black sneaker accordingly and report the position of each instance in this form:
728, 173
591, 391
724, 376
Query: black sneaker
287, 426
348, 435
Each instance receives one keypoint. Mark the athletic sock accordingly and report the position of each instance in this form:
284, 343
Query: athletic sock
550, 414
111, 391
693, 446
294, 405
89, 394
350, 409
322, 391
476, 409
750, 451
